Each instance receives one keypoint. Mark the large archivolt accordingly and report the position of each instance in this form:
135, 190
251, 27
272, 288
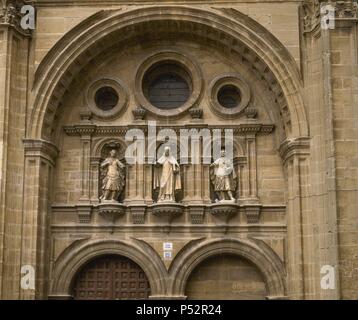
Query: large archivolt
228, 29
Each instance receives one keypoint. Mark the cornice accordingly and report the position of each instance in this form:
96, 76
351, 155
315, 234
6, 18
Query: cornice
291, 147
94, 130
40, 148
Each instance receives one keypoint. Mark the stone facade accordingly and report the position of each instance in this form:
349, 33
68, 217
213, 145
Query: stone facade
295, 152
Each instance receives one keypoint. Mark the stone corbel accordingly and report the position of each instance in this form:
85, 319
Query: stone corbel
252, 213
196, 214
84, 213
137, 213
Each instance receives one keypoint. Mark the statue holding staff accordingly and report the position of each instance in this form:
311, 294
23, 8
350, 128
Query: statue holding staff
167, 177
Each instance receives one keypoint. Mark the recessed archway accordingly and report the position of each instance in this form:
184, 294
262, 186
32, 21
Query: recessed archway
226, 277
255, 253
80, 253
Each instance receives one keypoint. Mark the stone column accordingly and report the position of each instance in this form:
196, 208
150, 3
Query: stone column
294, 154
14, 48
94, 179
40, 158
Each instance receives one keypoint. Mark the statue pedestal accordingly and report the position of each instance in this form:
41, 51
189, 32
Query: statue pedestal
224, 209
167, 210
110, 210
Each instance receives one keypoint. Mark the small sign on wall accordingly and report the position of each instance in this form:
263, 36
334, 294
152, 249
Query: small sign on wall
168, 246
167, 250
167, 255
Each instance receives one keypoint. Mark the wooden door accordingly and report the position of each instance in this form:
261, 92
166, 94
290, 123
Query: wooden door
111, 278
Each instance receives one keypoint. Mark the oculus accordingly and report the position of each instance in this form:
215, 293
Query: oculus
229, 95
168, 83
167, 86
107, 98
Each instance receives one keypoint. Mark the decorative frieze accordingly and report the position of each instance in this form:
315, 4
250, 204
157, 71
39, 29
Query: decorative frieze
94, 130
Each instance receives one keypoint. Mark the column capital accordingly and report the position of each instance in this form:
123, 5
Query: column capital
294, 146
10, 15
40, 148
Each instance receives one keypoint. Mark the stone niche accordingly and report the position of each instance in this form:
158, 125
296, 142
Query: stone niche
121, 100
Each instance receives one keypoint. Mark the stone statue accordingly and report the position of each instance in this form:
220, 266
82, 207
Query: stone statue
223, 177
113, 177
167, 177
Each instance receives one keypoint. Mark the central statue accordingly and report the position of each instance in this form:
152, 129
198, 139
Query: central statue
167, 177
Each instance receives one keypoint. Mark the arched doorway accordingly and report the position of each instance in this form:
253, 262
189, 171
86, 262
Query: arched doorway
111, 278
228, 277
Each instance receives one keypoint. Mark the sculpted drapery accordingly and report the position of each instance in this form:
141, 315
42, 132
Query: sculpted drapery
223, 177
167, 177
114, 177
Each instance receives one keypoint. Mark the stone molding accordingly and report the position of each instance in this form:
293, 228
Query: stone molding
168, 211
291, 147
40, 148
93, 129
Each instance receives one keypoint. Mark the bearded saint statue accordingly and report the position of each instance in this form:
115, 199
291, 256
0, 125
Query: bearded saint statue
167, 177
223, 177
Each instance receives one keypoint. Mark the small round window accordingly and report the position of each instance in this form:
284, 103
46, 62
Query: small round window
229, 96
167, 86
106, 98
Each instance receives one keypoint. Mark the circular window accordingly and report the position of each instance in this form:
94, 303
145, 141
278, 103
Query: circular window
168, 83
106, 98
229, 96
167, 86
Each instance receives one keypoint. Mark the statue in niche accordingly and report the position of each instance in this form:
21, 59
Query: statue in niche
167, 177
223, 178
113, 172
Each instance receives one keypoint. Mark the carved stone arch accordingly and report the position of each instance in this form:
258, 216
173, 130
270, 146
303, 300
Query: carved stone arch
97, 150
79, 253
257, 252
228, 28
